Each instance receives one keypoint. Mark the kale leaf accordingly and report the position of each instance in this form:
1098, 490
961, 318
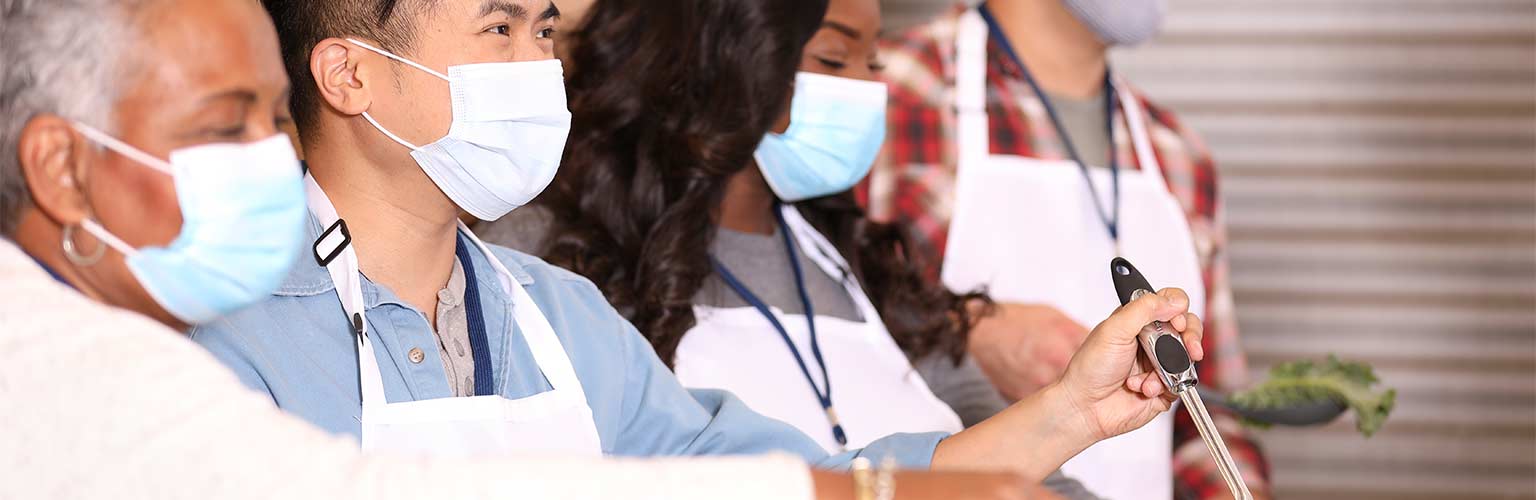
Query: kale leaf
1307, 382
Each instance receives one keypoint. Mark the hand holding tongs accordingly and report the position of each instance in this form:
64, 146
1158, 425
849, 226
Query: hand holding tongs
1171, 361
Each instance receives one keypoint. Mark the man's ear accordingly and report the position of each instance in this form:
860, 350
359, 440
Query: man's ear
339, 70
53, 161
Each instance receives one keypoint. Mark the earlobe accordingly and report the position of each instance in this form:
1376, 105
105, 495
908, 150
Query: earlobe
53, 162
335, 64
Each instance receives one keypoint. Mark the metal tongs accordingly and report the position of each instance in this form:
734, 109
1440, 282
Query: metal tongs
1166, 351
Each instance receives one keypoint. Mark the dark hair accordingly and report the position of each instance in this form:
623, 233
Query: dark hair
303, 23
670, 99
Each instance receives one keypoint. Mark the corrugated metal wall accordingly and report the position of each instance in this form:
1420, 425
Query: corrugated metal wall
1379, 163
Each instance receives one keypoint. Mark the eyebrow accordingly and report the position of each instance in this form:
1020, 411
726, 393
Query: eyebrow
244, 96
513, 10
846, 30
516, 11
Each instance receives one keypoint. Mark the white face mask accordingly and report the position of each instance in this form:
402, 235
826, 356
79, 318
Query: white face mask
510, 124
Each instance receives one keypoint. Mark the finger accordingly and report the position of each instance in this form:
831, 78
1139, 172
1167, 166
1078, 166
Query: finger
1180, 322
1193, 336
1152, 387
1133, 382
1177, 297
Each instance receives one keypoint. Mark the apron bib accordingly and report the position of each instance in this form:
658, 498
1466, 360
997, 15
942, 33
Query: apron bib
1028, 231
878, 391
557, 422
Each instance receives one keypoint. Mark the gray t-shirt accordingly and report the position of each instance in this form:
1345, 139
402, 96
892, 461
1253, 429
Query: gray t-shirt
761, 262
1084, 120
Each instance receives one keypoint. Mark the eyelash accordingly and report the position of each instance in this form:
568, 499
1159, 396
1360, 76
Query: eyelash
500, 29
230, 133
831, 64
547, 32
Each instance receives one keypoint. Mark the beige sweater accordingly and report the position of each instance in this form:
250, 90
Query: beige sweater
97, 402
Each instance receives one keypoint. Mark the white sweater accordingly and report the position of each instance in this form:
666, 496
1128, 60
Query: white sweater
97, 402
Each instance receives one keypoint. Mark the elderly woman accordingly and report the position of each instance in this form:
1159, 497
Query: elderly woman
144, 188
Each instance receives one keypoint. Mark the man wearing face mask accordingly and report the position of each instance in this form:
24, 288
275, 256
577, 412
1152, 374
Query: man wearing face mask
1023, 163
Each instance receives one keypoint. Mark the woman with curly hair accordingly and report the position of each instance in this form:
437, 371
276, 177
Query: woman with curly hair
706, 191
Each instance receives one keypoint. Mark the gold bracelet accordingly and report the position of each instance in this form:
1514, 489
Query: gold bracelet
863, 483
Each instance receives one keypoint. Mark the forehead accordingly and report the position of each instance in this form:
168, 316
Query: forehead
450, 11
208, 43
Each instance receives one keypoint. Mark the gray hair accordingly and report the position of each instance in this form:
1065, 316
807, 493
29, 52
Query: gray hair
61, 57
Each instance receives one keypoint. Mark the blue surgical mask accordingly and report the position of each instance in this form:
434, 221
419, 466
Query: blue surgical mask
510, 124
836, 128
242, 211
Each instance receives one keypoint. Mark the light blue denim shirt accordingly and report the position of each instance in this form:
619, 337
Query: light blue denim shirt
297, 347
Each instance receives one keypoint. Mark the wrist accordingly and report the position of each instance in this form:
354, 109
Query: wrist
1075, 422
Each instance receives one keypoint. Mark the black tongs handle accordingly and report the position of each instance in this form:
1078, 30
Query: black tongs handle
1127, 279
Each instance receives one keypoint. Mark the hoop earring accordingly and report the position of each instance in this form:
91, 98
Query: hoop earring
73, 253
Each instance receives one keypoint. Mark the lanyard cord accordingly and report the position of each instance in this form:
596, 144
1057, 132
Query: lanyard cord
1111, 220
810, 318
479, 342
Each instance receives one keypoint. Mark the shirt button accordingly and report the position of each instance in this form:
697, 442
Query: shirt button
416, 355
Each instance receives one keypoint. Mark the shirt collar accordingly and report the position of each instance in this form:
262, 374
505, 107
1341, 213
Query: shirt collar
308, 278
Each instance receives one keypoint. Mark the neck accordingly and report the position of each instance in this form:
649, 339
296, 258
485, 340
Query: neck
403, 227
1064, 56
40, 237
748, 203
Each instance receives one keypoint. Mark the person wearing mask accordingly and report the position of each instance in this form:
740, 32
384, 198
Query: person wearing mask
144, 187
399, 327
1023, 163
751, 275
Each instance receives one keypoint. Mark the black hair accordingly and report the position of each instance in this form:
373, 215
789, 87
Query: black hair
303, 23
670, 99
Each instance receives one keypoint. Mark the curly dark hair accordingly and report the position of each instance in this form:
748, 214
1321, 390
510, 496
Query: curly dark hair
670, 100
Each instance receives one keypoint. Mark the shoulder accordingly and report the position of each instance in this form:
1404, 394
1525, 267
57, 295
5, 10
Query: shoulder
537, 269
563, 296
919, 59
1168, 130
44, 323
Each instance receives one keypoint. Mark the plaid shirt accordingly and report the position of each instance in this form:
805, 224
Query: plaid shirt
914, 183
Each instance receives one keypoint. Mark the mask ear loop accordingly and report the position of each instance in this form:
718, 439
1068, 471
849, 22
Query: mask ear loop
71, 251
407, 62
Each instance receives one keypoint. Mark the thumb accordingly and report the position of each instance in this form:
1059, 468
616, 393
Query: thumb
1129, 319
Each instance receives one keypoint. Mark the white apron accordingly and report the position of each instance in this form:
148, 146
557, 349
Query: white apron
555, 422
877, 392
1028, 230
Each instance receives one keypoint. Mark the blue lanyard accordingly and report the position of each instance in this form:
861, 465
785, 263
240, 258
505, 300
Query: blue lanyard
1111, 220
479, 343
810, 318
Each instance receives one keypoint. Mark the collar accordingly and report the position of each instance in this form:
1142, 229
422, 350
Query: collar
308, 278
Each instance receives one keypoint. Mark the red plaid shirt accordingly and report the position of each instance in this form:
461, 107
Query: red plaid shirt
914, 183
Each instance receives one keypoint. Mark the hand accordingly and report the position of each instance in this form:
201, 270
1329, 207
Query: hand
913, 485
1110, 383
1024, 347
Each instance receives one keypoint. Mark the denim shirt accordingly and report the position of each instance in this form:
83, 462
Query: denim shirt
297, 347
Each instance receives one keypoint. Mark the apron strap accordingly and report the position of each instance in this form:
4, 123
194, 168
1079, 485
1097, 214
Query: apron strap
334, 251
1141, 141
972, 135
542, 341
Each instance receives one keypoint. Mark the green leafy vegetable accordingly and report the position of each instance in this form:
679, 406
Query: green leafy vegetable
1306, 382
